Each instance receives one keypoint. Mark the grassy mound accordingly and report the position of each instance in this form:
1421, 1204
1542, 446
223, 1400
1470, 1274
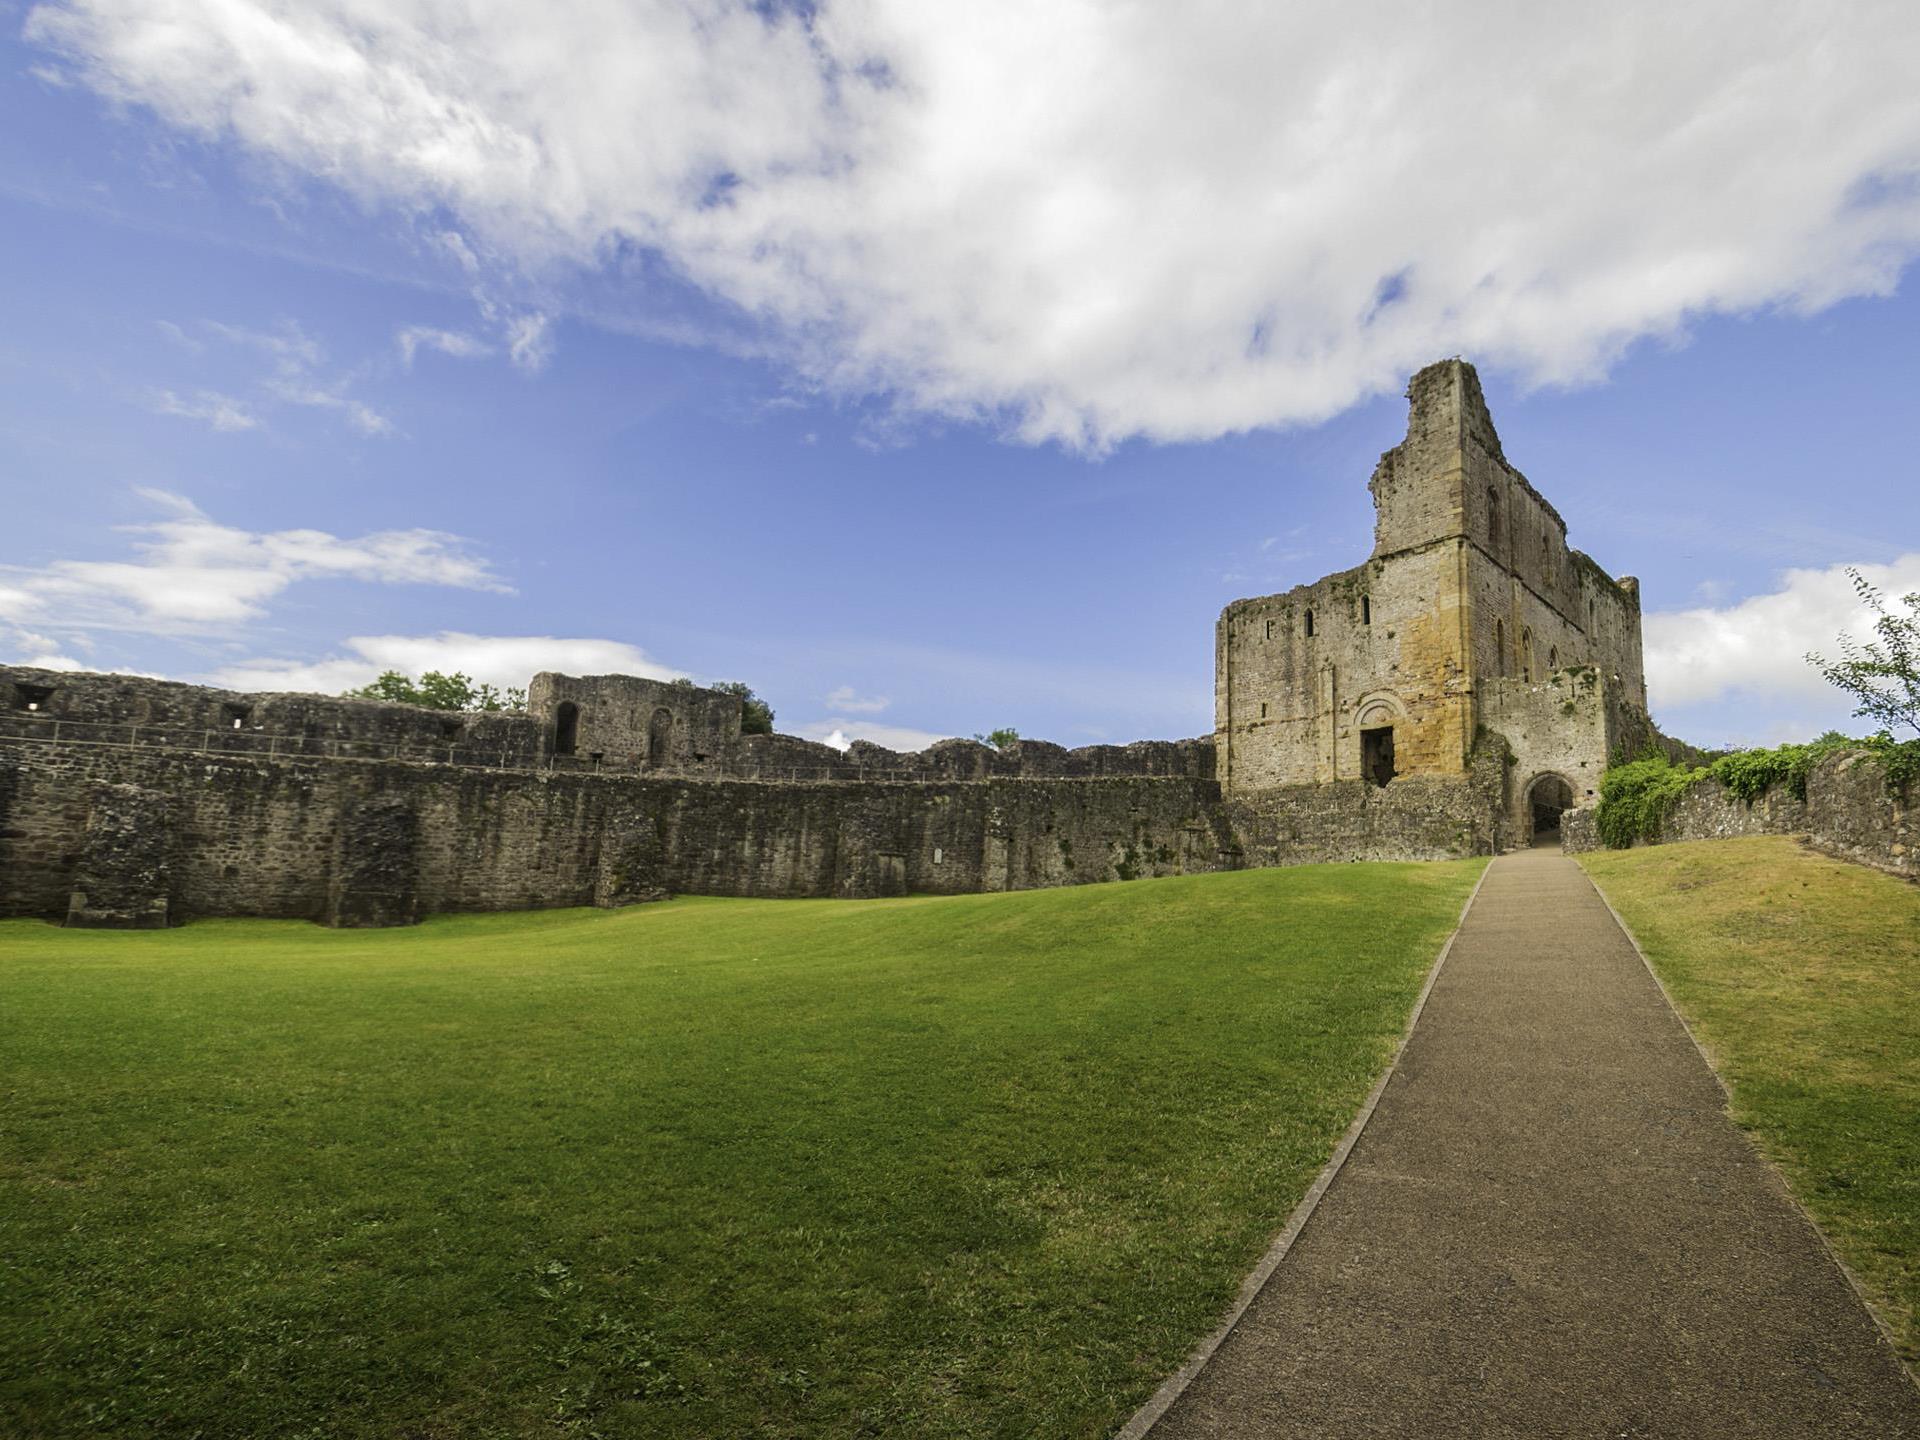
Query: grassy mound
1801, 976
984, 1165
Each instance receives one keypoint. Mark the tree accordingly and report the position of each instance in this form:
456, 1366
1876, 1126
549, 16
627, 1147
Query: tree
437, 691
1883, 674
756, 715
998, 739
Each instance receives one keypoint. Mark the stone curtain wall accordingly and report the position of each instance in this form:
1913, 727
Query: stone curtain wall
1847, 813
119, 835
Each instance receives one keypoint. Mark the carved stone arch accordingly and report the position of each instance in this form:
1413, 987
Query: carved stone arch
1377, 714
1379, 707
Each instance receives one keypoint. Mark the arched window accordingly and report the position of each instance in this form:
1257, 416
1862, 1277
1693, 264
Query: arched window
660, 737
1309, 623
1526, 653
1493, 518
1499, 647
566, 728
1366, 609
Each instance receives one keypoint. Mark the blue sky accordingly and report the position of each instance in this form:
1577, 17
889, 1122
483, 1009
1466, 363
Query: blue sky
286, 401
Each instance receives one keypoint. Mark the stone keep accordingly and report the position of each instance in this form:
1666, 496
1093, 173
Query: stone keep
1472, 623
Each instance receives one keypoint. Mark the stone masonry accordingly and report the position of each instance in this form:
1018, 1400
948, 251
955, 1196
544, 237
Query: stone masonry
1463, 686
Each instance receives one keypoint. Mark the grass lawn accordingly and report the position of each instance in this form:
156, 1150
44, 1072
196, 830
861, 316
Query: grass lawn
980, 1166
1801, 977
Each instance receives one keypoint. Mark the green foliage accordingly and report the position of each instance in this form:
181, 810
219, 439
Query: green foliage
998, 739
1749, 774
963, 1166
1637, 797
1902, 759
1883, 674
437, 691
756, 715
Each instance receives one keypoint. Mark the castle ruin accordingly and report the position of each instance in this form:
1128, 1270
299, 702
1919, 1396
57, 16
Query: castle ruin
1451, 696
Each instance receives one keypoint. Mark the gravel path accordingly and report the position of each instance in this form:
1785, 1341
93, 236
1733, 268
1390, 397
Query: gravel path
1551, 1228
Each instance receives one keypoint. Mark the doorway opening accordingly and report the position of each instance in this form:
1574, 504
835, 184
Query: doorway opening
1376, 755
1549, 797
566, 728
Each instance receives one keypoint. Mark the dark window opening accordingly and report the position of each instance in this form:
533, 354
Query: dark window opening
1553, 657
1309, 623
1493, 517
1589, 617
31, 697
659, 737
236, 715
1269, 629
1263, 709
1526, 654
1376, 755
1499, 647
566, 728
450, 729
1366, 609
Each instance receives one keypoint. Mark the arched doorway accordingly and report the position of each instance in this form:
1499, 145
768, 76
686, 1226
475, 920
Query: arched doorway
660, 737
1547, 797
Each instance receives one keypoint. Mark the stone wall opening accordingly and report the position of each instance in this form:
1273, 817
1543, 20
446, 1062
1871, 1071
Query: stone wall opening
1376, 755
566, 728
1548, 798
32, 698
660, 737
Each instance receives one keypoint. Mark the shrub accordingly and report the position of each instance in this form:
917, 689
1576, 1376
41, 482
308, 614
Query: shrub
1635, 798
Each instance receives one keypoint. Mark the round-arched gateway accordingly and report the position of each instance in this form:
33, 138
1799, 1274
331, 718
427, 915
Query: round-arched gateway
1547, 797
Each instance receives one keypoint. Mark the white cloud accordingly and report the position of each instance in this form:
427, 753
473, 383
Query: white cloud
845, 701
358, 413
842, 733
461, 346
530, 342
297, 376
222, 412
499, 660
1091, 219
191, 573
1741, 669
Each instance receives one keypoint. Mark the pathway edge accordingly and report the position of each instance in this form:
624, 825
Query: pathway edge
1766, 1160
1161, 1401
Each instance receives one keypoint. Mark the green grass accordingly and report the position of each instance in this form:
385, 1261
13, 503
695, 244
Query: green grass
1801, 977
976, 1166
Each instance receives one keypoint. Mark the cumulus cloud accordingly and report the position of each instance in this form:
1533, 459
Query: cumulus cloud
498, 660
847, 701
1087, 219
1741, 668
190, 573
842, 733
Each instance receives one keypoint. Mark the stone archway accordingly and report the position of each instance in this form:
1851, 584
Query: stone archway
1547, 797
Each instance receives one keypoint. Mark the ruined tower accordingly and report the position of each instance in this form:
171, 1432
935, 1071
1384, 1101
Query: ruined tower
1473, 623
